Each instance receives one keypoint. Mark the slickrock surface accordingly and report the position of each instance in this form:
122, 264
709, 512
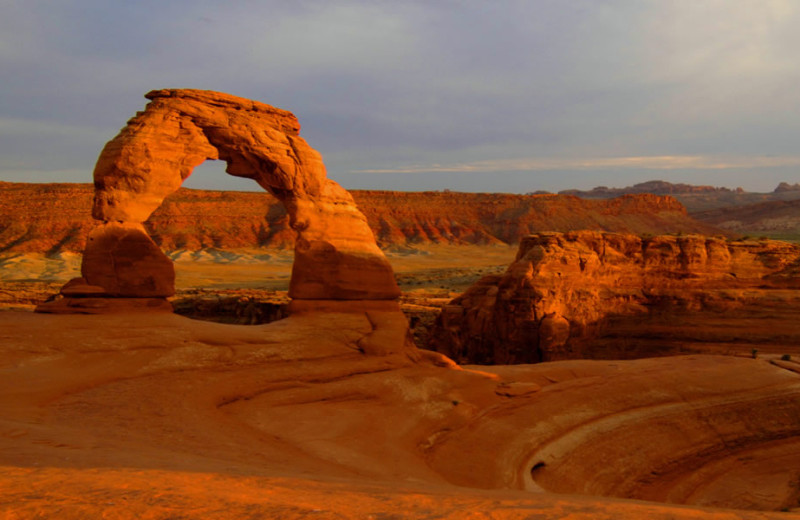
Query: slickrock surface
159, 416
589, 294
55, 218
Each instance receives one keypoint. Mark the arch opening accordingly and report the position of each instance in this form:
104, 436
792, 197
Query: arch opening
232, 266
211, 175
335, 254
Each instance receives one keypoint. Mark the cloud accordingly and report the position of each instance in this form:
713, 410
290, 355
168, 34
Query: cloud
687, 162
380, 84
722, 39
32, 128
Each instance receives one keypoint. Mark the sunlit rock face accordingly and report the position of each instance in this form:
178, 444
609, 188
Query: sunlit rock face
55, 218
563, 289
336, 257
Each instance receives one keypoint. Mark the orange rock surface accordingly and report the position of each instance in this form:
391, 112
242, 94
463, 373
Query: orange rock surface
487, 218
332, 412
55, 218
559, 294
159, 416
124, 261
336, 257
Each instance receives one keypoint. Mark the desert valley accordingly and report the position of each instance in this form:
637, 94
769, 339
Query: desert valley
309, 352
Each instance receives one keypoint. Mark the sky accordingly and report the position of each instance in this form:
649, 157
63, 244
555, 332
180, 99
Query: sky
466, 95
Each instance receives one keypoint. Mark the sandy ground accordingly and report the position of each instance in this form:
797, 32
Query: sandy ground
425, 267
158, 416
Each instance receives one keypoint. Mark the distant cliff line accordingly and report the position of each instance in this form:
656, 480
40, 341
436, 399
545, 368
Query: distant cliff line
696, 199
55, 218
658, 187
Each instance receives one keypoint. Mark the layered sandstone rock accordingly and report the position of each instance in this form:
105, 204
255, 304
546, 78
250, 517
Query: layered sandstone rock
123, 260
336, 257
153, 416
56, 218
563, 288
497, 218
778, 218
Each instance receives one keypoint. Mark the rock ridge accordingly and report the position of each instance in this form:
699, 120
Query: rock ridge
55, 218
562, 288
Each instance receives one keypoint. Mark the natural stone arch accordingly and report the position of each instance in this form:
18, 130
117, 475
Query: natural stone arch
336, 257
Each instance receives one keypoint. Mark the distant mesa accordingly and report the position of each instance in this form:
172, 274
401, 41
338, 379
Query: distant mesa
502, 218
696, 199
336, 257
655, 187
56, 218
776, 218
785, 186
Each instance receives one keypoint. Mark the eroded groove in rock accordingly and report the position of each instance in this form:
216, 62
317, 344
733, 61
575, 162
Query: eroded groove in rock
625, 450
165, 395
715, 431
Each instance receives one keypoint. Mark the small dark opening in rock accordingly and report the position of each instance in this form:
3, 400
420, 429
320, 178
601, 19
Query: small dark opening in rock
241, 307
536, 468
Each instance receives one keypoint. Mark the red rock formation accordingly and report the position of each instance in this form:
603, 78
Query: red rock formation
54, 218
158, 416
336, 257
778, 218
562, 288
44, 218
123, 260
486, 218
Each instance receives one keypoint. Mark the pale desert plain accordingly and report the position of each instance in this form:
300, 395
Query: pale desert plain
632, 376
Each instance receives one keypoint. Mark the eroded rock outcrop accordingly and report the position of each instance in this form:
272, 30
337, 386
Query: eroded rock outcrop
497, 218
563, 288
56, 218
336, 257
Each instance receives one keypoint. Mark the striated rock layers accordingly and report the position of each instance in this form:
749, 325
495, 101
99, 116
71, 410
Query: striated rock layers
55, 218
496, 218
776, 217
336, 257
565, 291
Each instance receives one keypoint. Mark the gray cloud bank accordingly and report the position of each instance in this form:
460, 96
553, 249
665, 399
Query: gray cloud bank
467, 95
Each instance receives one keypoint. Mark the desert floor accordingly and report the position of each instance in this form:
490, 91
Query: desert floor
442, 268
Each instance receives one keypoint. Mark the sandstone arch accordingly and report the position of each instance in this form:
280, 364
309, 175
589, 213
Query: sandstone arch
336, 257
